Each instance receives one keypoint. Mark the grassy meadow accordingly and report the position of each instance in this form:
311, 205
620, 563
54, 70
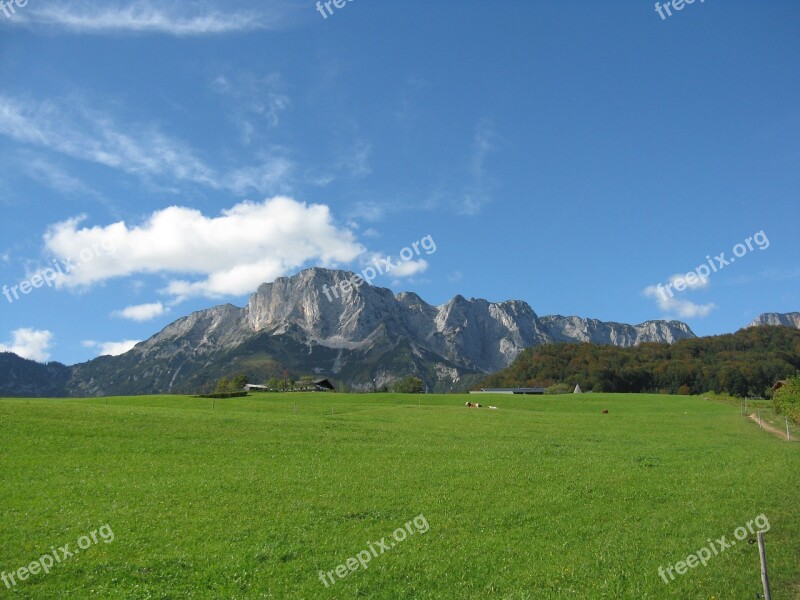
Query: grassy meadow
251, 497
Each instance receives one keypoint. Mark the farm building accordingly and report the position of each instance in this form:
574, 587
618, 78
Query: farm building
318, 385
251, 387
525, 391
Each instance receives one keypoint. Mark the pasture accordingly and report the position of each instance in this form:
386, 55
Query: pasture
251, 497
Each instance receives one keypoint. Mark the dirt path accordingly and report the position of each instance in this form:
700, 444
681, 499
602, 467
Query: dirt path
772, 429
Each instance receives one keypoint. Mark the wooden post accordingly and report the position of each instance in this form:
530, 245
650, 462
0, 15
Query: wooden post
762, 553
759, 419
213, 404
788, 435
295, 408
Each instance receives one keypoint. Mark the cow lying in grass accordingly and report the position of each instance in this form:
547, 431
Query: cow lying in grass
472, 405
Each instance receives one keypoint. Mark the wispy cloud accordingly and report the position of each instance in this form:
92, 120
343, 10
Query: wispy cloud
455, 276
144, 17
253, 101
352, 163
478, 191
142, 150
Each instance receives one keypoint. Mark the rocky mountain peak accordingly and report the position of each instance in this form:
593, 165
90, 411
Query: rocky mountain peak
778, 319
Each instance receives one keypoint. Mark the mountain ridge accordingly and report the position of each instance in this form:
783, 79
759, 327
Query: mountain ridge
363, 336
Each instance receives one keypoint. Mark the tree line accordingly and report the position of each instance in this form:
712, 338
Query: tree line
744, 364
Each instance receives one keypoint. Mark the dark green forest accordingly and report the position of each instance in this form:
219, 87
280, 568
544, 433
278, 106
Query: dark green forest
745, 363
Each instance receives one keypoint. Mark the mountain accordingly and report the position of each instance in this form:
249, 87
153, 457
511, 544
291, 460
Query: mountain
784, 319
26, 378
365, 337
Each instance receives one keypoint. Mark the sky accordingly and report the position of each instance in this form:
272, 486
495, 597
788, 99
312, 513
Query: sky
159, 158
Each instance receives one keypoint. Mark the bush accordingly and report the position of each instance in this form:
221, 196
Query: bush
226, 385
223, 395
561, 388
786, 400
409, 385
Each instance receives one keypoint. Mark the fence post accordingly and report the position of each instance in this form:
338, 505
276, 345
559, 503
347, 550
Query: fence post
762, 553
759, 419
788, 435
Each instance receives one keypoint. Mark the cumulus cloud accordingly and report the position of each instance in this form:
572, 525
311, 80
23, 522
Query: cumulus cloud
230, 254
33, 344
141, 312
111, 348
668, 300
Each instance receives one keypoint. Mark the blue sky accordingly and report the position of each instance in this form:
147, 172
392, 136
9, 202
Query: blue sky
570, 154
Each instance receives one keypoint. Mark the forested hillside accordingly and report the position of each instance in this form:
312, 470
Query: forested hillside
745, 363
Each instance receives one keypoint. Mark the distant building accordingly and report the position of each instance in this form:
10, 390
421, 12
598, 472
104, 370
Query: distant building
251, 387
318, 385
524, 391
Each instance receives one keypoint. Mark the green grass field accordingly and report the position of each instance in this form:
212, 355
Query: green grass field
544, 498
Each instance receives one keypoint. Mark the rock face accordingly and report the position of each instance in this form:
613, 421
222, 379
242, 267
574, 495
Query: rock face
315, 322
576, 329
778, 319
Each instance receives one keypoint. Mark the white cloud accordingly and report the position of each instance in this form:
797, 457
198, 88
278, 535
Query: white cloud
33, 344
231, 254
71, 129
177, 19
670, 304
141, 312
693, 282
110, 348
410, 268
